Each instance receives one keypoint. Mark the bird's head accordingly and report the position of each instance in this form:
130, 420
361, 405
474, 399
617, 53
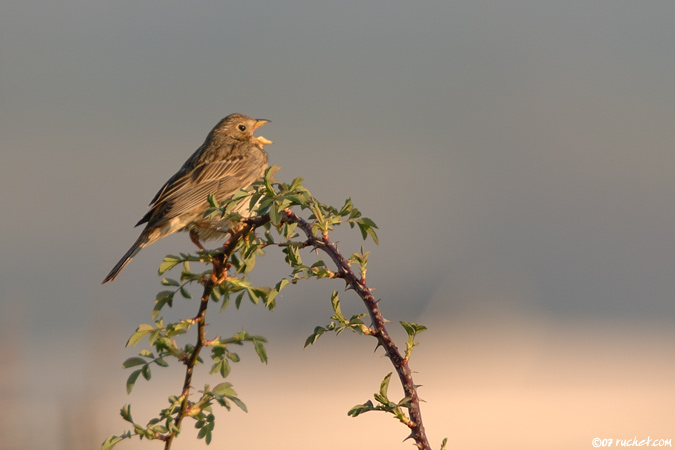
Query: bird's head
241, 128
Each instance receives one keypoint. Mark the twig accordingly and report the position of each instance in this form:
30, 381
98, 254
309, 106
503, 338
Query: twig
218, 277
384, 339
344, 271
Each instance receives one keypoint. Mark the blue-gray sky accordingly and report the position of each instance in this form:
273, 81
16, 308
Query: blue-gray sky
517, 156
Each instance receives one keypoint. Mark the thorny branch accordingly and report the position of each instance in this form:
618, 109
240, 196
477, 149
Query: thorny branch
274, 204
344, 271
358, 284
218, 277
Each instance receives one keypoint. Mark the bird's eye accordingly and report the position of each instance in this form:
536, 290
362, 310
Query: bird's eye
242, 127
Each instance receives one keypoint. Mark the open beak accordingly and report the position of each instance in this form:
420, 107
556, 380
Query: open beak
261, 139
260, 123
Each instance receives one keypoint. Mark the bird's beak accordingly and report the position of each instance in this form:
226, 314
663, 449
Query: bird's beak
261, 139
259, 123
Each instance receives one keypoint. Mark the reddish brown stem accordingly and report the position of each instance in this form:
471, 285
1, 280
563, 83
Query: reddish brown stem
384, 339
218, 277
345, 272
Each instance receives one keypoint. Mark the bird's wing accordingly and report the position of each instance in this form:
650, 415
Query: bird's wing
188, 190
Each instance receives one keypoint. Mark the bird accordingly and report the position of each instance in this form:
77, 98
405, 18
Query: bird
230, 159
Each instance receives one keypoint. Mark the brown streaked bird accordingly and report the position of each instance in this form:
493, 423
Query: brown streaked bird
230, 158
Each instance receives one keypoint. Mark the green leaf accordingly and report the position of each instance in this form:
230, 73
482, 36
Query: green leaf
205, 433
237, 300
170, 282
176, 329
412, 328
162, 298
384, 387
367, 228
258, 293
335, 303
142, 330
281, 284
222, 367
260, 349
264, 205
253, 295
239, 403
232, 356
347, 208
360, 409
133, 361
212, 201
269, 299
226, 301
111, 441
132, 380
161, 362
186, 272
288, 230
125, 412
223, 389
168, 263
145, 371
318, 331
271, 170
405, 402
237, 196
185, 293
275, 215
318, 214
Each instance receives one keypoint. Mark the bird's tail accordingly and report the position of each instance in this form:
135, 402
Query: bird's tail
142, 241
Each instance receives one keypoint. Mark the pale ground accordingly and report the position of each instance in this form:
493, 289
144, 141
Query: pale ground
511, 383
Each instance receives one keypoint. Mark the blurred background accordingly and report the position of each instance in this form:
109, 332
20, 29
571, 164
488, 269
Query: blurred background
517, 157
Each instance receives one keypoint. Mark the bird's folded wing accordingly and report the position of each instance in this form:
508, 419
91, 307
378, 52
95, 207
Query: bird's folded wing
184, 192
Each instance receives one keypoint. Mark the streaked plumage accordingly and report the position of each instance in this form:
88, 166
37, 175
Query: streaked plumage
230, 158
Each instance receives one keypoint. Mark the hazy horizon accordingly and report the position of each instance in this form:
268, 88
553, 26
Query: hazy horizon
516, 156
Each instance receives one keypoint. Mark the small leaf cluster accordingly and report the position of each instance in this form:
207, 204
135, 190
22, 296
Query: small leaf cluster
381, 397
145, 358
412, 329
201, 410
383, 403
326, 217
236, 285
153, 430
164, 345
339, 323
271, 197
222, 355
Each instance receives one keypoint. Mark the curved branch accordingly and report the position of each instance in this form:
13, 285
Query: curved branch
359, 285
